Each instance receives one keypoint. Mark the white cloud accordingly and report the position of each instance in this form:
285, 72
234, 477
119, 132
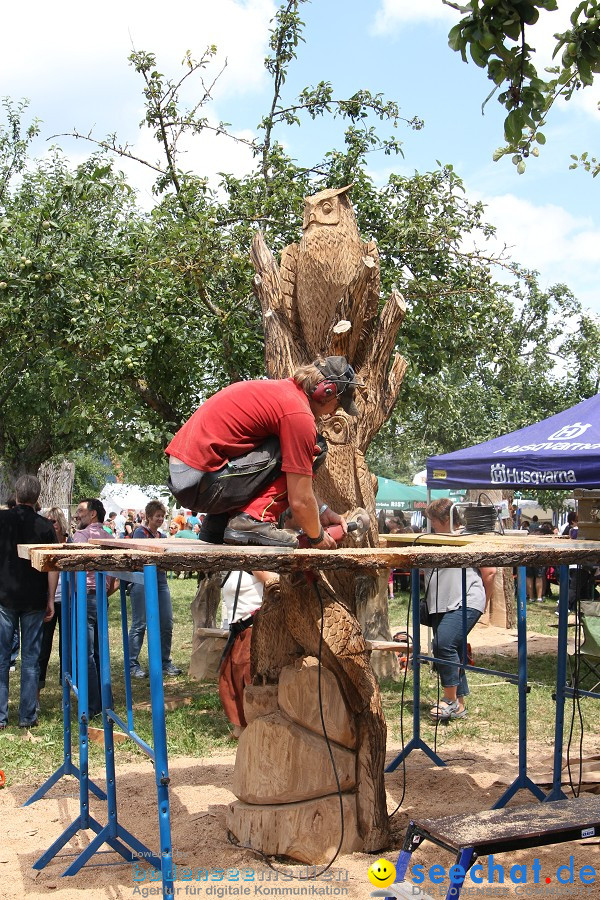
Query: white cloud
561, 246
70, 58
57, 39
393, 14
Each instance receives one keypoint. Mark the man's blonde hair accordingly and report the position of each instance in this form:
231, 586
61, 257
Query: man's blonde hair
308, 377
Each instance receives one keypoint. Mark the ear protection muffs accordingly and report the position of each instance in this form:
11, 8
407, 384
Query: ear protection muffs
324, 391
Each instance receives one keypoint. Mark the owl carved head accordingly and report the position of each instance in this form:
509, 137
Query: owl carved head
338, 429
325, 207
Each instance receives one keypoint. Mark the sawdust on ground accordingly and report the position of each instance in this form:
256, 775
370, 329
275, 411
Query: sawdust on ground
475, 776
493, 641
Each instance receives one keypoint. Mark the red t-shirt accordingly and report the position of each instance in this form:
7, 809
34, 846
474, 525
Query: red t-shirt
240, 417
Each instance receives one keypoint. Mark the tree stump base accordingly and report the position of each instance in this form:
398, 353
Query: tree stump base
288, 801
308, 831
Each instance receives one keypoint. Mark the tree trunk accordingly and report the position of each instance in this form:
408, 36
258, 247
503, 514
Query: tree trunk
206, 651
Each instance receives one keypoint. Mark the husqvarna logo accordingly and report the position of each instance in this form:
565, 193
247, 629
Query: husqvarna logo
498, 473
502, 474
569, 431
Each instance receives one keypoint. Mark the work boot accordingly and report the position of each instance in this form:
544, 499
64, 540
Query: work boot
243, 529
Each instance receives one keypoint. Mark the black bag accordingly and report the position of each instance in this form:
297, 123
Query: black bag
424, 614
238, 481
425, 617
233, 485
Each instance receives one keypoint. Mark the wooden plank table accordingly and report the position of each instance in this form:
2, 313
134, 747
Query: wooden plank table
511, 549
188, 556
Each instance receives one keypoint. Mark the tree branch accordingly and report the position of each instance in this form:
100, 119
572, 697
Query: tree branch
112, 148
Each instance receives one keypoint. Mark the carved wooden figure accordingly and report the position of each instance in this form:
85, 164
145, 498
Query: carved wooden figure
322, 301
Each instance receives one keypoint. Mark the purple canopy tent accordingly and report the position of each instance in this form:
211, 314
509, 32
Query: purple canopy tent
561, 452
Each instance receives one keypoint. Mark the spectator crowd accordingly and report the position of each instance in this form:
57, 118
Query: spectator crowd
30, 601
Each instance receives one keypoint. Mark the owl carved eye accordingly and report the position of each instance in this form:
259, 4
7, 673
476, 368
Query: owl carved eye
327, 207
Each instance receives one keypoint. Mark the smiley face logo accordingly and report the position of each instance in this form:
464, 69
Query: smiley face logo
382, 873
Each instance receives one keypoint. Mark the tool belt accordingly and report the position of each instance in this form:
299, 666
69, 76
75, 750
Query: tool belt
234, 631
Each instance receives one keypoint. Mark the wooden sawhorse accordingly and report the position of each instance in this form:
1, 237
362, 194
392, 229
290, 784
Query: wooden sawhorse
471, 836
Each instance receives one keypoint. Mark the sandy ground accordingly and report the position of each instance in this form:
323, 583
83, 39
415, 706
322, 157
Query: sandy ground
503, 642
199, 796
474, 778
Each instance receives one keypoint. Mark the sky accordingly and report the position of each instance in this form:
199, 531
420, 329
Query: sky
70, 60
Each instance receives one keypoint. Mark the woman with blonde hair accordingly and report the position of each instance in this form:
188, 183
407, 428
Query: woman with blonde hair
58, 519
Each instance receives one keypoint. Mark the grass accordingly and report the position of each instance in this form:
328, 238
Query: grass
196, 729
201, 728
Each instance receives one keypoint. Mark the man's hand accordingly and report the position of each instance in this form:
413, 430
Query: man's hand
49, 609
329, 517
327, 543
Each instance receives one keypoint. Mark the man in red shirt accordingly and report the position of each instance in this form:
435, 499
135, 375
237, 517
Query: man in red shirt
247, 454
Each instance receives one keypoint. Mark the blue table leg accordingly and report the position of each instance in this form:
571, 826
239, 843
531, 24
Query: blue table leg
126, 660
67, 767
416, 742
465, 859
75, 677
561, 678
522, 781
159, 730
112, 833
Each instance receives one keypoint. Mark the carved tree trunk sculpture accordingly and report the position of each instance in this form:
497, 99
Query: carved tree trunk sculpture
324, 300
206, 651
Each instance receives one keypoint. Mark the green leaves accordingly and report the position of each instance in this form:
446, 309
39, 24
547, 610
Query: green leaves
121, 321
513, 125
496, 34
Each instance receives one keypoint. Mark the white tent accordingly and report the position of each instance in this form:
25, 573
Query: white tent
116, 497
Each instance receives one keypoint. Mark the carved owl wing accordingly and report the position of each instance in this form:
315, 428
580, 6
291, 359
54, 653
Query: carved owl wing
287, 272
359, 306
365, 304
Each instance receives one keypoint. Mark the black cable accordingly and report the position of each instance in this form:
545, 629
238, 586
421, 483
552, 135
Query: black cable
498, 516
408, 614
401, 801
435, 668
480, 519
325, 735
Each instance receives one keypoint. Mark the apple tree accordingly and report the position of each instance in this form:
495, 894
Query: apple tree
498, 36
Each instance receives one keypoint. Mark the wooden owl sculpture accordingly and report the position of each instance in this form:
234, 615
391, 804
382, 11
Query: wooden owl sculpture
323, 268
323, 299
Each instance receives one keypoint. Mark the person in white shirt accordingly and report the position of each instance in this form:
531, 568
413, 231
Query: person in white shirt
242, 594
119, 524
443, 592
